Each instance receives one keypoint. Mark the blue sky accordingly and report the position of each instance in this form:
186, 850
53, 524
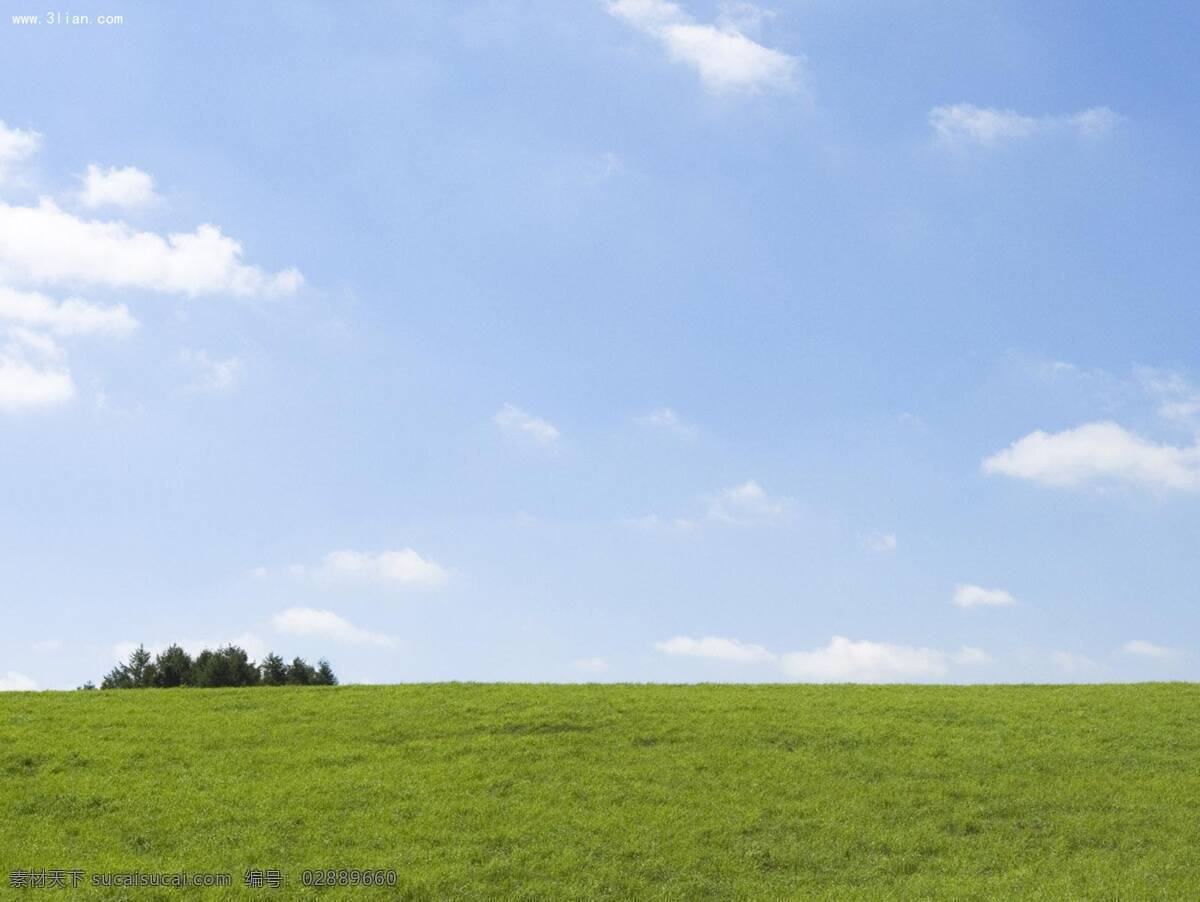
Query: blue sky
603, 341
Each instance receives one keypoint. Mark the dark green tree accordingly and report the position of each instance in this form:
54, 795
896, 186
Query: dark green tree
141, 668
133, 674
324, 675
117, 678
228, 666
272, 671
173, 667
300, 673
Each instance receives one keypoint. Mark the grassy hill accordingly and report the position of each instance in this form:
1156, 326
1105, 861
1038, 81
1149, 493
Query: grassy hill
615, 792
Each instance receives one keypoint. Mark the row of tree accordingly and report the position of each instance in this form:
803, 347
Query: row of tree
227, 666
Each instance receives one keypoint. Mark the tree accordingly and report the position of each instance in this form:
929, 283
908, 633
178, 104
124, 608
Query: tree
272, 671
228, 666
300, 673
88, 686
324, 675
137, 674
117, 678
173, 667
141, 668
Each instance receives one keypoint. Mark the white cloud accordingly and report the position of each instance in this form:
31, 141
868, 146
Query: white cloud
747, 504
128, 187
402, 567
1144, 649
744, 16
842, 661
66, 318
1072, 662
215, 375
23, 343
1098, 453
592, 665
326, 625
846, 661
12, 681
880, 541
43, 244
33, 373
25, 385
668, 420
721, 53
968, 596
1178, 399
964, 123
46, 645
970, 655
16, 146
517, 423
714, 648
1095, 122
651, 522
46, 245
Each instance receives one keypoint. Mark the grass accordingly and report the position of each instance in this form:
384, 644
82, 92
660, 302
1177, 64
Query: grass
616, 792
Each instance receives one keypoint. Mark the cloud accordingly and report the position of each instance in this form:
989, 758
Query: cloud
16, 146
714, 648
1071, 662
846, 661
46, 645
1178, 399
215, 375
32, 369
401, 568
667, 420
66, 318
747, 504
326, 625
963, 124
970, 655
128, 188
721, 53
25, 385
517, 423
12, 681
1144, 649
880, 541
592, 665
1098, 453
842, 661
46, 245
968, 596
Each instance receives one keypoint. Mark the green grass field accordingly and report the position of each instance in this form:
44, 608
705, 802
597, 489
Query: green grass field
615, 792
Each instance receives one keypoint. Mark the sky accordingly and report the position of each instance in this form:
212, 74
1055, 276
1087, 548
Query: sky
603, 341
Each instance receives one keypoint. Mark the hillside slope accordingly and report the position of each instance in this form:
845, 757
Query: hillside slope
615, 792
